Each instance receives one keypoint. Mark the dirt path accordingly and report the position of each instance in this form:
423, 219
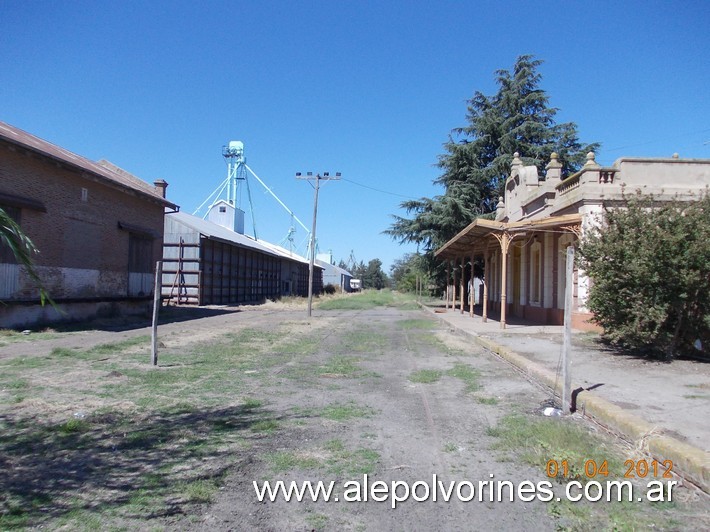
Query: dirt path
416, 430
265, 394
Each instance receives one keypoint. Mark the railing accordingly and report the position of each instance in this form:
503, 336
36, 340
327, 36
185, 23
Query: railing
606, 177
569, 184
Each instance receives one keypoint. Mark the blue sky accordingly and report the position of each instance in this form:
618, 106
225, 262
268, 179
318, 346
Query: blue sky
370, 89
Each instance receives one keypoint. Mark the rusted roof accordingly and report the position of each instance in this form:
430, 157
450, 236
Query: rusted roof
103, 171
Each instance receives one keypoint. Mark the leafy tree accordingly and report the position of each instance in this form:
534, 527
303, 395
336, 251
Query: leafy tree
404, 272
12, 236
649, 265
477, 157
373, 276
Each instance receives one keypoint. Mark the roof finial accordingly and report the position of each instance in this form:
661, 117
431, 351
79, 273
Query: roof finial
554, 161
590, 160
516, 160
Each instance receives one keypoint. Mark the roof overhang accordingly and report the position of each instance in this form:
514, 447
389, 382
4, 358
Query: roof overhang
477, 233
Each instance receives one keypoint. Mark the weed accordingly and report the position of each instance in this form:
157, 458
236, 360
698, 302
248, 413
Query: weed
59, 352
365, 300
425, 376
345, 412
362, 341
317, 521
542, 440
468, 375
539, 441
343, 462
74, 425
417, 324
119, 347
251, 403
265, 425
487, 400
283, 461
17, 384
200, 491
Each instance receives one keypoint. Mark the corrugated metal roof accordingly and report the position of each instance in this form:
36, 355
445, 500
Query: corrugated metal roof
105, 171
212, 230
285, 252
338, 269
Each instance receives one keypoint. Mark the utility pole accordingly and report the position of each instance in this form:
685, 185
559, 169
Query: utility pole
317, 178
567, 339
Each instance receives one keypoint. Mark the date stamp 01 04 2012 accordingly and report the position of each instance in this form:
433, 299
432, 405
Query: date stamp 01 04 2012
634, 469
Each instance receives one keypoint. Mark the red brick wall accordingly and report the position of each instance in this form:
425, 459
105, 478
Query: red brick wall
73, 233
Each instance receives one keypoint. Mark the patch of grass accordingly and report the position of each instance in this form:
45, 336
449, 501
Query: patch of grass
468, 375
119, 347
17, 384
265, 425
451, 448
486, 400
538, 440
10, 336
317, 521
27, 363
365, 340
346, 463
200, 491
413, 323
362, 301
425, 376
166, 432
74, 425
284, 461
81, 519
59, 352
299, 346
342, 366
345, 412
250, 403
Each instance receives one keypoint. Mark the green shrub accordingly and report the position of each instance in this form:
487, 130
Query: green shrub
649, 265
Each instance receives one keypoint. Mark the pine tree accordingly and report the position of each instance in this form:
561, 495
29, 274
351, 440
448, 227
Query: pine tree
477, 157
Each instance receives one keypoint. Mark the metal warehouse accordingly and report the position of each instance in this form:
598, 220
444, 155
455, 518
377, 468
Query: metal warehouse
207, 264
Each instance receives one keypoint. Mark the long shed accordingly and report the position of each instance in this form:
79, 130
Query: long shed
208, 264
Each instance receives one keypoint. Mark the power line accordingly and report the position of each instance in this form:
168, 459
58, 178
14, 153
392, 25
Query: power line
379, 190
656, 140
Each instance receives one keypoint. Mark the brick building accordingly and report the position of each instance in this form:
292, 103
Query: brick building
99, 231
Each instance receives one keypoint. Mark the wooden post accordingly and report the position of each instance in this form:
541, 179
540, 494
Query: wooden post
156, 305
567, 341
453, 288
504, 278
486, 276
448, 275
470, 291
462, 285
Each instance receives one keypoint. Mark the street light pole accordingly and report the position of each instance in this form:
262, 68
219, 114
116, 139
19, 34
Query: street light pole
311, 267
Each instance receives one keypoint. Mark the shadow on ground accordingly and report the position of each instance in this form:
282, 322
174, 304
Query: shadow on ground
167, 314
104, 461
